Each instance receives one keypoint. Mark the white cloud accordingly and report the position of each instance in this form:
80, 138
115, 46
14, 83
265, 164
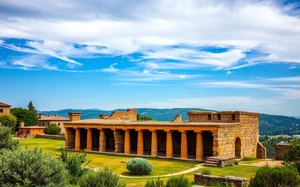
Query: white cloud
33, 62
287, 79
228, 73
111, 68
145, 26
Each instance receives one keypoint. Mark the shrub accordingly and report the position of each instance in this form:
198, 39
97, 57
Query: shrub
179, 181
6, 140
31, 168
102, 178
206, 172
277, 176
52, 129
74, 164
248, 159
139, 166
154, 183
8, 120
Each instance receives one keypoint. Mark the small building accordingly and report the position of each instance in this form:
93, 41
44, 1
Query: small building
4, 108
44, 121
30, 130
219, 134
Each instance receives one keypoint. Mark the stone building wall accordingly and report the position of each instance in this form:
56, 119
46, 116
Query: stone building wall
212, 180
281, 148
5, 110
247, 131
130, 114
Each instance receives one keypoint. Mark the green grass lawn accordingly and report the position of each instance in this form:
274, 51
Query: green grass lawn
160, 166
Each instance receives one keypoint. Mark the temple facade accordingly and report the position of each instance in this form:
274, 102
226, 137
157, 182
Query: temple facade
231, 134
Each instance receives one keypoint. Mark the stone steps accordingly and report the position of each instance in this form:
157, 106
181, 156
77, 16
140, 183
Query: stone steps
211, 162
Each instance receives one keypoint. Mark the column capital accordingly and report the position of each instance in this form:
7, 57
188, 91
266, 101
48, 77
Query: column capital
152, 130
100, 129
75, 128
87, 128
168, 130
182, 131
138, 130
197, 131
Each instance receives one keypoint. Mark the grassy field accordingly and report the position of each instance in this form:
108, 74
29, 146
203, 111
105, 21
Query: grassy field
160, 166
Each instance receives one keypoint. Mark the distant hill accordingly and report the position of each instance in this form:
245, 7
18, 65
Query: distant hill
269, 124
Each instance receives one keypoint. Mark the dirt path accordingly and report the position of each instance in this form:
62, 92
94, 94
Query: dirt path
198, 166
266, 162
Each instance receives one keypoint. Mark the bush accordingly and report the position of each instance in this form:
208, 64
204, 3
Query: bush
31, 168
277, 176
74, 164
154, 183
102, 178
52, 129
180, 181
139, 166
206, 172
8, 120
6, 140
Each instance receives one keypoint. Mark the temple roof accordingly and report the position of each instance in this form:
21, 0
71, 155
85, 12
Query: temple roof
4, 105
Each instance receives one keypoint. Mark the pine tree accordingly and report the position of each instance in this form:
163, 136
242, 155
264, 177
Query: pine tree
31, 107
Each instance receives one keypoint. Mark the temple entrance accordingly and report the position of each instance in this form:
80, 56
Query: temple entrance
238, 147
191, 139
71, 138
83, 140
176, 139
95, 139
133, 142
109, 140
147, 135
207, 143
161, 143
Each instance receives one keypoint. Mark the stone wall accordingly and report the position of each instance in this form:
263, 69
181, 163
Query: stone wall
177, 118
119, 141
53, 137
246, 131
6, 110
211, 180
261, 151
130, 114
281, 148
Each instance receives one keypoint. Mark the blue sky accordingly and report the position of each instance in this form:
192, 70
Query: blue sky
233, 55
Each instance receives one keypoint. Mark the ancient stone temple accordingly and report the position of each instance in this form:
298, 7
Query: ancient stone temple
221, 134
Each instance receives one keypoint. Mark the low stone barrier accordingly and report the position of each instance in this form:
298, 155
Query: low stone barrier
211, 180
52, 137
281, 148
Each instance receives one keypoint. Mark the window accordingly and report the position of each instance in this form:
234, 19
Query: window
58, 124
233, 117
209, 117
1, 110
219, 117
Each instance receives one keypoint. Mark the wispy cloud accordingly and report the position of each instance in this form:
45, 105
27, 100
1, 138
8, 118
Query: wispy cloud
287, 79
33, 62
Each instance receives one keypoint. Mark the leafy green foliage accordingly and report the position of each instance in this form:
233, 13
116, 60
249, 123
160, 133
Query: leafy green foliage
139, 166
143, 118
8, 120
178, 181
27, 116
102, 178
75, 163
155, 183
52, 129
270, 142
206, 172
292, 155
6, 141
275, 177
31, 168
31, 107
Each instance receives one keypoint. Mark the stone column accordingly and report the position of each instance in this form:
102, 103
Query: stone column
169, 146
154, 143
89, 139
199, 146
215, 143
140, 143
184, 147
102, 141
67, 143
77, 139
127, 142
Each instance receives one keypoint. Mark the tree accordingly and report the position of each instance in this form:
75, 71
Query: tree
143, 118
292, 155
8, 120
101, 178
31, 107
23, 167
6, 141
27, 116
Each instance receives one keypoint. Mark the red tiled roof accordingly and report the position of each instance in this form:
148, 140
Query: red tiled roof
4, 105
54, 118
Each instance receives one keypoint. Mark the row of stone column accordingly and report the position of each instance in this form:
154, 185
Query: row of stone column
140, 143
